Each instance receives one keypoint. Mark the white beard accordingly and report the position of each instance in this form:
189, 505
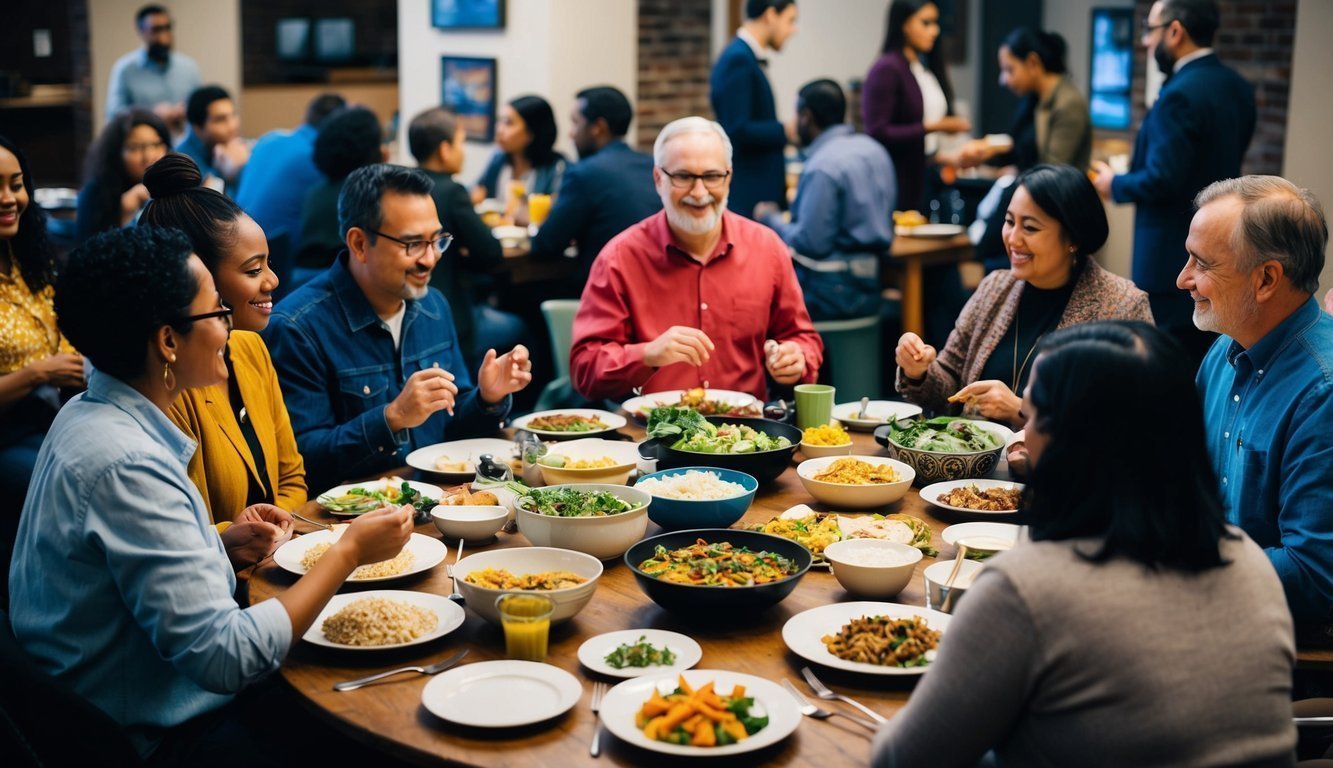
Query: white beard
687, 223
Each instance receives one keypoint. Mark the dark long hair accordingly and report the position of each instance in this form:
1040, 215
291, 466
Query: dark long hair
1066, 195
206, 216
105, 163
31, 248
1049, 47
1144, 487
539, 118
894, 40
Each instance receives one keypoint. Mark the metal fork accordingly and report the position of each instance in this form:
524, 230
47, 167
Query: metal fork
351, 685
809, 709
598, 693
827, 694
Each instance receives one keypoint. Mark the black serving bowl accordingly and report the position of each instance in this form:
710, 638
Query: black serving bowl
709, 603
764, 466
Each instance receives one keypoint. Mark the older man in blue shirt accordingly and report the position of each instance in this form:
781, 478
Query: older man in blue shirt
841, 217
1255, 250
154, 76
367, 353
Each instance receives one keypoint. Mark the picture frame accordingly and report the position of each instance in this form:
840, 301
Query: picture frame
468, 89
467, 14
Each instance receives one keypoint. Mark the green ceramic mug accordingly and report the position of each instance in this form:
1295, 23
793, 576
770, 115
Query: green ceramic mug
814, 405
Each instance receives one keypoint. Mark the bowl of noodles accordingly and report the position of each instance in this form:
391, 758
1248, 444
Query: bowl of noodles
856, 482
711, 573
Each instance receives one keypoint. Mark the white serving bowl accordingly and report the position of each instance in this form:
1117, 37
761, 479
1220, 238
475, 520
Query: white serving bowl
820, 451
873, 581
602, 537
855, 496
524, 560
937, 575
469, 522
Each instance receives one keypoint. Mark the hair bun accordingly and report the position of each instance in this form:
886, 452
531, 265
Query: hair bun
173, 174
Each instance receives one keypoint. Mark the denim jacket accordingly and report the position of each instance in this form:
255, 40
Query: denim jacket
339, 369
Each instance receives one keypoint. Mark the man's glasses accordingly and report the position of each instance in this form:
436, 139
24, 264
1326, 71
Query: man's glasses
139, 149
417, 248
683, 180
156, 28
225, 313
1149, 27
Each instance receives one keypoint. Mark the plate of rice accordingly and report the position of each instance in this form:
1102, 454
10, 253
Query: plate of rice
421, 554
383, 619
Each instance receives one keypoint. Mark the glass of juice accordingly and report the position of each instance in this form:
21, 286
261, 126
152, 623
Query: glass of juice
539, 207
526, 619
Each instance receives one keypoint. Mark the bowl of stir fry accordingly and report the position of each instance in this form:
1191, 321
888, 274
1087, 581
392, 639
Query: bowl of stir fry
856, 482
568, 578
680, 437
598, 519
945, 447
713, 573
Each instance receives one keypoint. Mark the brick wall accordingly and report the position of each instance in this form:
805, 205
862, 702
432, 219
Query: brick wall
1256, 39
674, 61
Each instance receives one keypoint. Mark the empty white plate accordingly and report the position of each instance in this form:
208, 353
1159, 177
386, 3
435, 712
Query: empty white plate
501, 694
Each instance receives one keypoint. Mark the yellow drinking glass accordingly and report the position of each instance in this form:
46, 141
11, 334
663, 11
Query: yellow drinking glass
526, 619
539, 207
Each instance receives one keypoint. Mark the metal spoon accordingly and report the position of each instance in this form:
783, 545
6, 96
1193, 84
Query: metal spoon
864, 413
315, 523
456, 596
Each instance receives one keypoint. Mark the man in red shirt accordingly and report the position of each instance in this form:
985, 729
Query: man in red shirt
694, 296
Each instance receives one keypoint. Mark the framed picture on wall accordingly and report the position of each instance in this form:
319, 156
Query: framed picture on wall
467, 88
468, 14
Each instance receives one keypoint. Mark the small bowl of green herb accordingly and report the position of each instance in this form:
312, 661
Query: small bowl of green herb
598, 519
637, 652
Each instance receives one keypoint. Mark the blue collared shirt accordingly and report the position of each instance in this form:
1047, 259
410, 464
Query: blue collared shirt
1269, 415
845, 199
138, 81
339, 369
194, 147
120, 587
280, 172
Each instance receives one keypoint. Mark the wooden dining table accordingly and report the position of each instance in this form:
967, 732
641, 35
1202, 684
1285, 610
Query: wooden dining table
390, 716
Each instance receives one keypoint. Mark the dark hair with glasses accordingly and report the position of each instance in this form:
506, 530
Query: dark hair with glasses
31, 247
206, 216
104, 176
1150, 497
118, 289
359, 203
1200, 18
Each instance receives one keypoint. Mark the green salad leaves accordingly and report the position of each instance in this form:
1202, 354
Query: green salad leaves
571, 502
640, 654
696, 434
945, 434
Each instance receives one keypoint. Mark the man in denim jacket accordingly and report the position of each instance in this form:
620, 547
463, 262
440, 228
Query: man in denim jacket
367, 353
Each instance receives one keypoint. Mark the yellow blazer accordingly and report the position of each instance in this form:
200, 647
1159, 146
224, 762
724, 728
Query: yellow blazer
220, 467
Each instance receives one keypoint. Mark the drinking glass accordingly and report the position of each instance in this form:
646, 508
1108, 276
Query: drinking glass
526, 619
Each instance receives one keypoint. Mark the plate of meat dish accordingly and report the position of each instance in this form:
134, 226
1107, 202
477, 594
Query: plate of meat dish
569, 423
976, 496
709, 402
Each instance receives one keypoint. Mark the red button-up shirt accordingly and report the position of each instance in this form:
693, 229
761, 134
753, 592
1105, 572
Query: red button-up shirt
643, 282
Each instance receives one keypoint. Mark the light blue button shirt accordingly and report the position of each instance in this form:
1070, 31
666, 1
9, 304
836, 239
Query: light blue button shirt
119, 585
137, 81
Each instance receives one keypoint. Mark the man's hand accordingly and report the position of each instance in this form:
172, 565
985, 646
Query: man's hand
678, 344
255, 533
785, 361
62, 369
1102, 175
990, 399
503, 375
427, 391
761, 210
913, 355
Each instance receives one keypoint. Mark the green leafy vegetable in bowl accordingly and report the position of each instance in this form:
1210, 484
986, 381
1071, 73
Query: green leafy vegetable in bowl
944, 434
696, 434
572, 502
359, 500
640, 654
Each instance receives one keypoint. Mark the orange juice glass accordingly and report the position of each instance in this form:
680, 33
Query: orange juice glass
539, 207
526, 619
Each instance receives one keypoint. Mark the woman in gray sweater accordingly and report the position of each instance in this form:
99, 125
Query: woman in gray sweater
1136, 628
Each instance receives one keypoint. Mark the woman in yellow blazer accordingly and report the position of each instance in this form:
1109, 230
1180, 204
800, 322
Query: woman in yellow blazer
247, 451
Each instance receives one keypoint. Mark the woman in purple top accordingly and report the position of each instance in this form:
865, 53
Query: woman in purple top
897, 111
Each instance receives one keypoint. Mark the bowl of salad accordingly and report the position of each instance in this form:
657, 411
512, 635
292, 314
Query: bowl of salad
945, 447
598, 519
681, 437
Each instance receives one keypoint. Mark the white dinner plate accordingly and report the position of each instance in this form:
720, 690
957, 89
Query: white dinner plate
425, 489
931, 230
448, 617
980, 530
501, 694
594, 650
877, 412
624, 701
460, 450
931, 493
803, 632
427, 553
611, 420
638, 407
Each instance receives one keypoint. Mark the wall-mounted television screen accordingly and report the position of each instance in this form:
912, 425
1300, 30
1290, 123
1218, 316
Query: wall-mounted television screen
335, 40
1112, 67
293, 36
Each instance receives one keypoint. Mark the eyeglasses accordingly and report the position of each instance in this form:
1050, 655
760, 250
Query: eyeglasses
225, 313
139, 149
156, 28
415, 249
1149, 27
683, 180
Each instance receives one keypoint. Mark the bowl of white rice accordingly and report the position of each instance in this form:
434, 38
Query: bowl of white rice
698, 497
872, 568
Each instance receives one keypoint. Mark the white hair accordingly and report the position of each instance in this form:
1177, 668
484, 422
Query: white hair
686, 125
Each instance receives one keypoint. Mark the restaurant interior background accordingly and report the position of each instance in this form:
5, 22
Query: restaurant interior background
56, 55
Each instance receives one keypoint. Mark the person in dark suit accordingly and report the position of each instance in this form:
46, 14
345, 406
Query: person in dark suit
743, 104
606, 192
1195, 134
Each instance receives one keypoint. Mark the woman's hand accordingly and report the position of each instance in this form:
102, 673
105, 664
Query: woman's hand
378, 535
913, 355
62, 369
255, 533
131, 201
990, 399
949, 124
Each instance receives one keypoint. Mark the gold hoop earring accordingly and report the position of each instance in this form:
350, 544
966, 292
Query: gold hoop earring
168, 377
